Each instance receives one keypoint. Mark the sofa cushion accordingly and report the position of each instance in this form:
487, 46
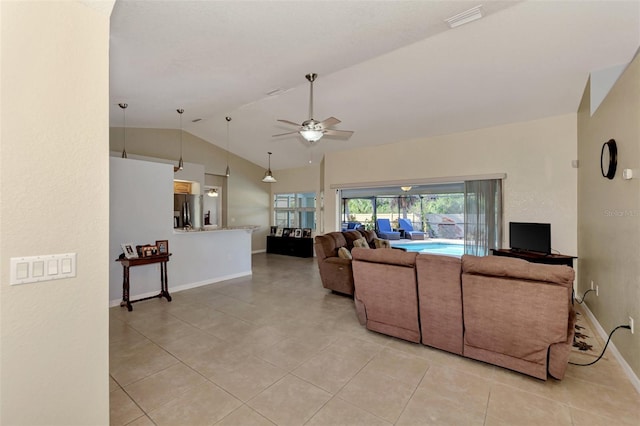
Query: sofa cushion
386, 256
381, 243
361, 242
497, 266
350, 237
344, 253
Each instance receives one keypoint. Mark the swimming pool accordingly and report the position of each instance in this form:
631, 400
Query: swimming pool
433, 248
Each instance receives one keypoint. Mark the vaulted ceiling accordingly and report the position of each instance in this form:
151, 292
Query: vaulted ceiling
390, 70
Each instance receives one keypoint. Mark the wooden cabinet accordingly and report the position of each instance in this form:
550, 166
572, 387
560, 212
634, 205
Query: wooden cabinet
300, 247
180, 187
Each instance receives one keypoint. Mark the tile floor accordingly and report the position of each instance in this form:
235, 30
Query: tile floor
278, 349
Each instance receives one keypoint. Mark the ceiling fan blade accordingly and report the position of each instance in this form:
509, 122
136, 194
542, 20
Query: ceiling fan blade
331, 121
290, 122
342, 134
284, 134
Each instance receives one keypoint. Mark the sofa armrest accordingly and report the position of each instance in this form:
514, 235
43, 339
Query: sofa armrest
337, 261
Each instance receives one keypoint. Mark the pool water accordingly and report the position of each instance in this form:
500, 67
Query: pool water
433, 248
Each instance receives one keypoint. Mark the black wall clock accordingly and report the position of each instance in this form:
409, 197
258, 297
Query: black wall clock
609, 159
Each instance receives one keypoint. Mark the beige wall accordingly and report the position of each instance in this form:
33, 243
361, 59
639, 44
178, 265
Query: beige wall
609, 211
245, 199
536, 156
54, 153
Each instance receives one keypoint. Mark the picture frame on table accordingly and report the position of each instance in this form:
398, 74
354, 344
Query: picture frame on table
273, 231
306, 233
279, 232
297, 233
129, 250
286, 232
163, 246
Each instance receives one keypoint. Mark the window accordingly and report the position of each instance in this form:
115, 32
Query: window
296, 210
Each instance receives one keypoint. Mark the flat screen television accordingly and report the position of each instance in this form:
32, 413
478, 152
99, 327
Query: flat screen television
527, 236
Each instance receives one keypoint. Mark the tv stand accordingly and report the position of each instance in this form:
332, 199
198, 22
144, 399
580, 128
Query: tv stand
535, 257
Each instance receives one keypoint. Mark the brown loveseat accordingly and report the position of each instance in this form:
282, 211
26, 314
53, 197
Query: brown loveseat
336, 272
504, 311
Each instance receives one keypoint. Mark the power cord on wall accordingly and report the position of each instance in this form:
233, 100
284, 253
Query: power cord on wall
606, 344
583, 296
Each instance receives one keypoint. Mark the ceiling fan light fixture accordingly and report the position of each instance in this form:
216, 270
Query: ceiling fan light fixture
311, 135
405, 188
213, 192
268, 175
465, 17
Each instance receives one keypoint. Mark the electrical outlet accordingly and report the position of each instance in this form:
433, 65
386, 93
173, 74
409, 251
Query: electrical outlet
597, 291
631, 324
591, 284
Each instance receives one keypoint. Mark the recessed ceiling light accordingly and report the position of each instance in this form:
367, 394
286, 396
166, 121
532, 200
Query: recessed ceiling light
465, 17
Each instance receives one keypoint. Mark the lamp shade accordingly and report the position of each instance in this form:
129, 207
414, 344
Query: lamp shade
311, 135
268, 175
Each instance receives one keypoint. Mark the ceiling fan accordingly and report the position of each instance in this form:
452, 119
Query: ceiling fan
311, 129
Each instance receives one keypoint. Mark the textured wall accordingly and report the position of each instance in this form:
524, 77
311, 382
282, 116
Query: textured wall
54, 177
609, 211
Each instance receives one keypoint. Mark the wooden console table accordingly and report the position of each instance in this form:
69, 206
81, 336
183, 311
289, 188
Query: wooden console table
300, 247
549, 259
162, 259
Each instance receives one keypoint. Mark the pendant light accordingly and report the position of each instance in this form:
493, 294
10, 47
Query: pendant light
268, 176
213, 192
124, 129
228, 171
180, 162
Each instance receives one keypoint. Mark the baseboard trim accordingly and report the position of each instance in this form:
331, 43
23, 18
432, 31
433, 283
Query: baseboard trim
612, 347
182, 287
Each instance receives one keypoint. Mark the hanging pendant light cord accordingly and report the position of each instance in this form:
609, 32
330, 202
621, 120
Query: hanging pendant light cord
228, 171
124, 129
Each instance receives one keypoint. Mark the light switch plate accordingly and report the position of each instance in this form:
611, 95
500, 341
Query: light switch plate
49, 267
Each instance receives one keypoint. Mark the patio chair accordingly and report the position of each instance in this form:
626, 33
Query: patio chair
384, 230
409, 232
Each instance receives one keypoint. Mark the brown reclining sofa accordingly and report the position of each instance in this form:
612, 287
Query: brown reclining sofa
503, 311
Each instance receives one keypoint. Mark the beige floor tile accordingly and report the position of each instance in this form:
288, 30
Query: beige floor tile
186, 347
517, 407
339, 412
290, 401
585, 418
399, 365
202, 405
141, 421
289, 353
551, 388
606, 372
378, 393
146, 359
439, 411
467, 391
122, 409
245, 416
330, 371
226, 327
113, 385
159, 388
616, 403
218, 359
248, 378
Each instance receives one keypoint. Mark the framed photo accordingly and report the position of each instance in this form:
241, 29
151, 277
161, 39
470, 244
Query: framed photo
274, 229
149, 250
279, 232
286, 232
297, 233
306, 233
129, 250
163, 246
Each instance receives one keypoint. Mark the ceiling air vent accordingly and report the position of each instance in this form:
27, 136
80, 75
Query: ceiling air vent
465, 17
